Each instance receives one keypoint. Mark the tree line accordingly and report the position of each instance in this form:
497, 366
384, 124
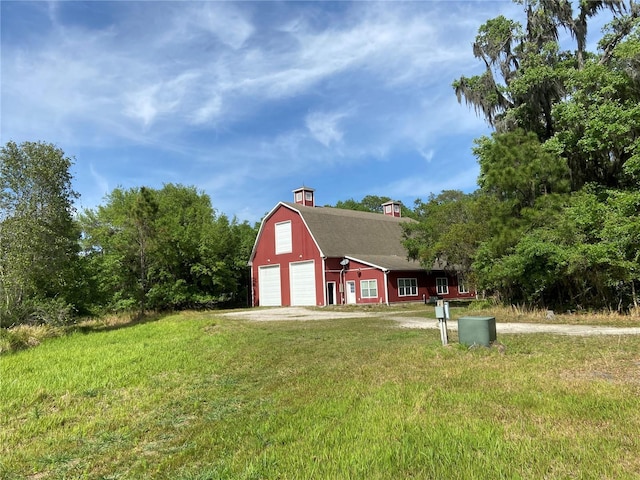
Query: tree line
143, 249
555, 221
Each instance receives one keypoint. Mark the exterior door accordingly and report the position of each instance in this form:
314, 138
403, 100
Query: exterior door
351, 292
331, 293
269, 286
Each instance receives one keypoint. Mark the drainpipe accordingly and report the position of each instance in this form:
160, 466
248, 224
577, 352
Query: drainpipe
342, 287
343, 263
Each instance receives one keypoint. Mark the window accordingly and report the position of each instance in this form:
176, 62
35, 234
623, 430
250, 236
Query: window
298, 196
387, 209
369, 288
407, 287
308, 196
462, 285
442, 286
283, 237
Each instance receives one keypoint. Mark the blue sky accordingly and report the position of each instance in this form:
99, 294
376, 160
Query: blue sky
248, 101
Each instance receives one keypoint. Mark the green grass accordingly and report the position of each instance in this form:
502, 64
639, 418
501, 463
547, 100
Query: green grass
197, 396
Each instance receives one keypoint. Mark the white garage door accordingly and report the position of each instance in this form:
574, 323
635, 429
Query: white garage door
303, 283
269, 285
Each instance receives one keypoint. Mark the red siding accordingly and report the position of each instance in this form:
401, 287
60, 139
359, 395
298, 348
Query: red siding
452, 280
422, 279
303, 248
357, 272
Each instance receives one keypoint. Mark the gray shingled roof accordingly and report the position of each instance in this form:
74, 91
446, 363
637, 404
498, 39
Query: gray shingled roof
371, 237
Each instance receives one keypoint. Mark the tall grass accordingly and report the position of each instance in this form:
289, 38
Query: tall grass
196, 396
520, 313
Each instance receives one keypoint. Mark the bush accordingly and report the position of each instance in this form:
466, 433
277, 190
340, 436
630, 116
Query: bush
24, 336
50, 311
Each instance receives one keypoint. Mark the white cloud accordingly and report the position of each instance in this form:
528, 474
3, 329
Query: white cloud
324, 127
224, 21
427, 154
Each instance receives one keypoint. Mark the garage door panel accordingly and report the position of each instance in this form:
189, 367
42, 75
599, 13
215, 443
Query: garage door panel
269, 284
303, 283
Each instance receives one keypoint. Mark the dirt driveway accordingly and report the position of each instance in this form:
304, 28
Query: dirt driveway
309, 314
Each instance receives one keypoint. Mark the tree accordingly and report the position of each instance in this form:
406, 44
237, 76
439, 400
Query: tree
562, 169
517, 169
598, 124
525, 73
165, 249
38, 236
142, 219
370, 203
450, 227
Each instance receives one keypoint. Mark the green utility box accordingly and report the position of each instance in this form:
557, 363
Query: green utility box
477, 330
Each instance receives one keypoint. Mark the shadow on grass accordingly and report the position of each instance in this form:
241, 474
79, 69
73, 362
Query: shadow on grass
126, 320
109, 323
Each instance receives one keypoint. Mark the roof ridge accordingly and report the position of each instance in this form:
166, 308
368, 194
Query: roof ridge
345, 212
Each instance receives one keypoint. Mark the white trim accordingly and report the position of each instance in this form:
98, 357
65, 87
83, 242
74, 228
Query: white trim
305, 224
266, 219
324, 282
378, 267
253, 289
386, 287
333, 284
372, 265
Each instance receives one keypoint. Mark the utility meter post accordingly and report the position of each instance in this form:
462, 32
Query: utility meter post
442, 313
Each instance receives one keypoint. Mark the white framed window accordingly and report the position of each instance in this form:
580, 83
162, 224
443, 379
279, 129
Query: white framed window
369, 288
308, 196
442, 286
462, 285
387, 209
283, 237
298, 196
407, 287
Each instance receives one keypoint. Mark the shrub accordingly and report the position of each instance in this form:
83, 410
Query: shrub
38, 311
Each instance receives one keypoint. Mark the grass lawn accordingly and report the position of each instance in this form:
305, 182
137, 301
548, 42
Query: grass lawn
199, 396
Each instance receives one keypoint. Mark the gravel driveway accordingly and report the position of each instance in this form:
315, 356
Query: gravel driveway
308, 314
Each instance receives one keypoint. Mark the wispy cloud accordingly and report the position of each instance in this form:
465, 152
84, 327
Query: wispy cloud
324, 126
248, 93
101, 182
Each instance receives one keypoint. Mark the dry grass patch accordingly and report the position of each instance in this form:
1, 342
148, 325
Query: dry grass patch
517, 314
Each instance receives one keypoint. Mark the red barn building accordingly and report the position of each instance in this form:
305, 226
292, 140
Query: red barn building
308, 255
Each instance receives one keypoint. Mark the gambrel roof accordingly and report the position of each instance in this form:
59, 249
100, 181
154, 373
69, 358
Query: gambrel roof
372, 238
